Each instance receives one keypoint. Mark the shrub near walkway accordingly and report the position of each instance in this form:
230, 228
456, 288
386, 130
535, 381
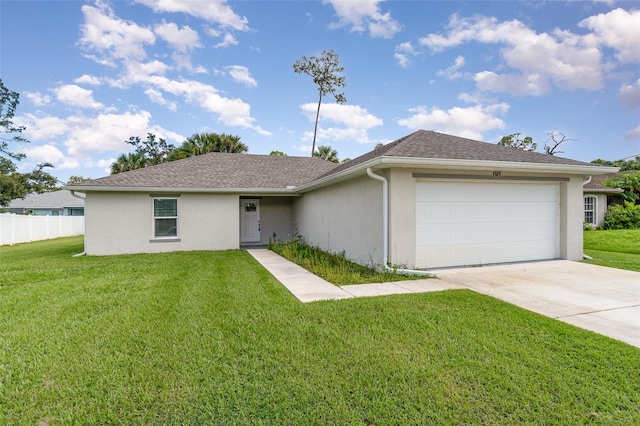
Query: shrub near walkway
212, 338
334, 268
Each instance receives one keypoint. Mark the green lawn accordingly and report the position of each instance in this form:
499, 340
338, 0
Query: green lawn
615, 248
213, 338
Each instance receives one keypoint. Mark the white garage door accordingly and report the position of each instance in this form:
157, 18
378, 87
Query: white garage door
475, 223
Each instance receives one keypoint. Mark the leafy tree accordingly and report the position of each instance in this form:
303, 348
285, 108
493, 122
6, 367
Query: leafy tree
630, 182
202, 143
278, 153
147, 152
324, 71
151, 150
39, 181
624, 164
346, 160
128, 161
18, 185
9, 101
74, 180
514, 141
12, 183
327, 153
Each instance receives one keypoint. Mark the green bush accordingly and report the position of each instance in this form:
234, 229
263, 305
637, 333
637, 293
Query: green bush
625, 216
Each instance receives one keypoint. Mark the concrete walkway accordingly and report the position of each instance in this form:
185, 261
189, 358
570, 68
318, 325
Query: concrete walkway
596, 298
307, 287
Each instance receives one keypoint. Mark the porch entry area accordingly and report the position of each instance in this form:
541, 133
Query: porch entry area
265, 218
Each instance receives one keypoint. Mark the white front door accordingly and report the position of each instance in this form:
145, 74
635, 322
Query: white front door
249, 221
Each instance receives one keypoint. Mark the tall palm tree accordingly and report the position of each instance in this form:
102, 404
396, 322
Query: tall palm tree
326, 153
127, 162
231, 143
202, 143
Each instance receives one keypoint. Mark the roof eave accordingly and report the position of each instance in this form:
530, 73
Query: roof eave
511, 166
604, 190
169, 190
454, 164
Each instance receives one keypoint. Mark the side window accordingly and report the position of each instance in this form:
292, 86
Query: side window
590, 210
165, 217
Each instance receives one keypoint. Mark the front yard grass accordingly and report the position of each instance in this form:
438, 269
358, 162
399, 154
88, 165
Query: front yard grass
213, 338
615, 248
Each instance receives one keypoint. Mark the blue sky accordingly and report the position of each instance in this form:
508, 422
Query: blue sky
93, 73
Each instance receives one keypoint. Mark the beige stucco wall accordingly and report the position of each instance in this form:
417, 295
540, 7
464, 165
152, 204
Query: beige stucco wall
120, 222
571, 219
345, 216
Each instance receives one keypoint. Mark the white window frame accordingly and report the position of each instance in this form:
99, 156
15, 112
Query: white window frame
590, 201
154, 234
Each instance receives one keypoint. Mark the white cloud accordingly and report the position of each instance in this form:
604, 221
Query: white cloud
218, 12
629, 94
354, 120
88, 79
232, 112
241, 74
570, 61
403, 54
452, 73
74, 95
37, 98
182, 39
619, 30
51, 154
112, 36
364, 15
83, 135
228, 40
470, 122
516, 84
156, 97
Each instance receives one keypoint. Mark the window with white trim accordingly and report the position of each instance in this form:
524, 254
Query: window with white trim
165, 217
590, 210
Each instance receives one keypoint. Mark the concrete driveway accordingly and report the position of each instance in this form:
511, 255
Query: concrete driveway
596, 298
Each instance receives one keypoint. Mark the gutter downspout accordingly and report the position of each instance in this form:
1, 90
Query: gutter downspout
584, 255
84, 253
385, 230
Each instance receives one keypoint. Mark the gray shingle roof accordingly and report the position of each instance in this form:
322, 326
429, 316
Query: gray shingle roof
221, 170
246, 171
48, 200
429, 144
598, 184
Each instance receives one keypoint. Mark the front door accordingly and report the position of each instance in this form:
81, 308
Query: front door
249, 221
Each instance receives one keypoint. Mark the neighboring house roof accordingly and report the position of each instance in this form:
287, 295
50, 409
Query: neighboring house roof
233, 172
48, 200
597, 184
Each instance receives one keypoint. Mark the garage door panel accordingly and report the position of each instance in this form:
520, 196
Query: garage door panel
482, 212
470, 223
445, 234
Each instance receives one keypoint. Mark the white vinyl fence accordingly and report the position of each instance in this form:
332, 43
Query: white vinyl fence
15, 228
